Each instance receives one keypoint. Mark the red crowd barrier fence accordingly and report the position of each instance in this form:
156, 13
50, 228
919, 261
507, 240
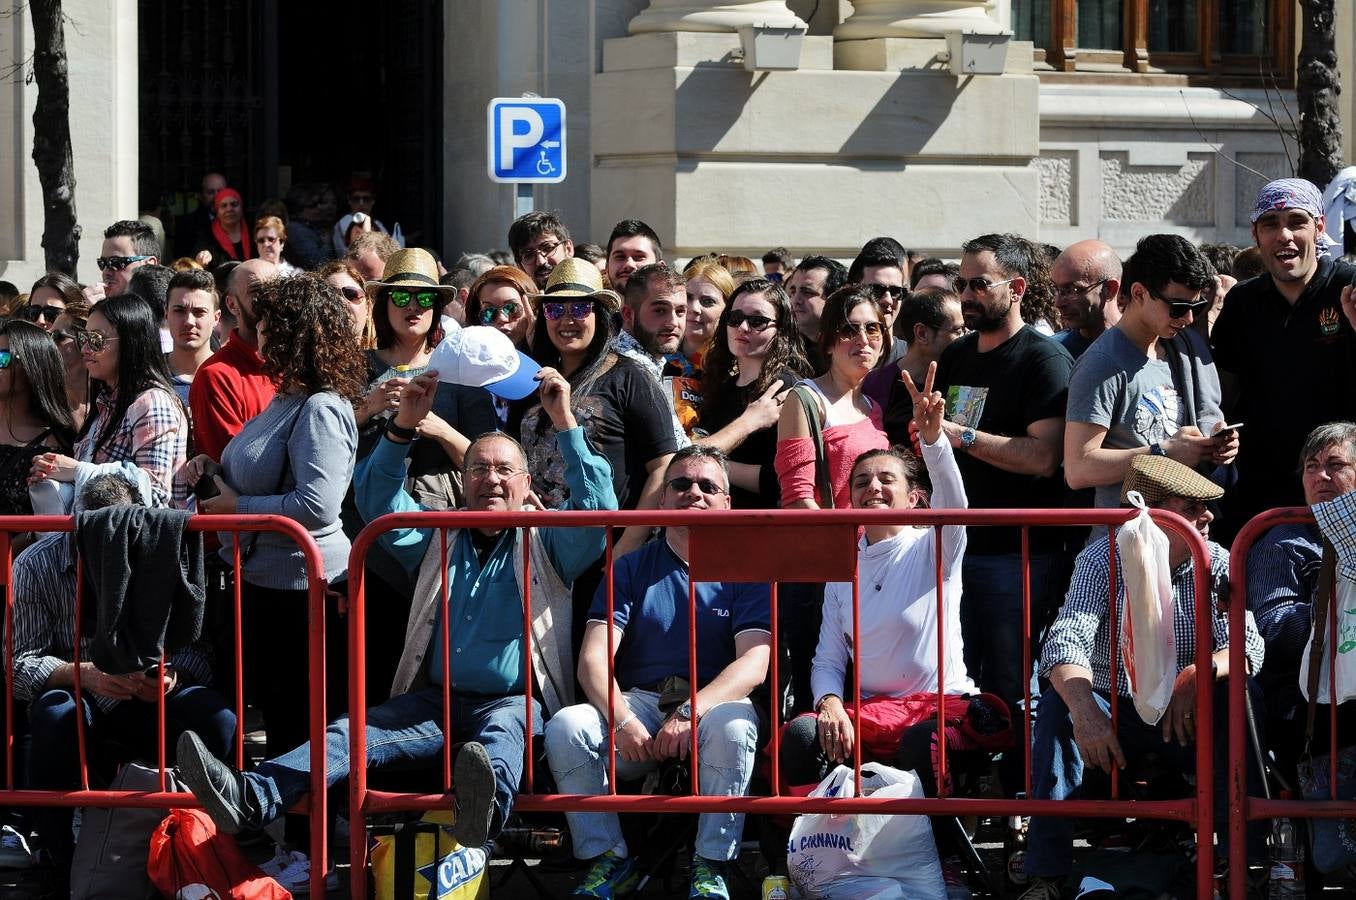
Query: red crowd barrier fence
315, 804
780, 547
1243, 807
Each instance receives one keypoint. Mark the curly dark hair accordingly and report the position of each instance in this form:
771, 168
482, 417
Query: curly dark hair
310, 346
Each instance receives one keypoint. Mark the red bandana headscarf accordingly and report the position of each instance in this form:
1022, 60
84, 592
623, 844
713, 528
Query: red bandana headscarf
220, 233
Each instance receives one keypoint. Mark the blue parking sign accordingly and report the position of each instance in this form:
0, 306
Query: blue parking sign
527, 139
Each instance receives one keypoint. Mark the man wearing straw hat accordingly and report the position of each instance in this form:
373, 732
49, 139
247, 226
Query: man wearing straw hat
1073, 732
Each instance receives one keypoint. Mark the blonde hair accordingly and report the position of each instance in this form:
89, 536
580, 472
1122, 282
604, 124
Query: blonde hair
713, 272
344, 267
271, 222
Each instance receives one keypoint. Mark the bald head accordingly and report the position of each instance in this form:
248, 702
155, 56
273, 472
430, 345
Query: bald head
240, 289
1087, 279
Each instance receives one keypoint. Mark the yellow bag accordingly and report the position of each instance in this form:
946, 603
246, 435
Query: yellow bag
423, 861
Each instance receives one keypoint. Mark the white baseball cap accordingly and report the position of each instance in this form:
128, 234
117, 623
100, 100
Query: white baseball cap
481, 356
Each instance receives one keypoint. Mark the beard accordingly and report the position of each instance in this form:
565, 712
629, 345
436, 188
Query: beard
984, 317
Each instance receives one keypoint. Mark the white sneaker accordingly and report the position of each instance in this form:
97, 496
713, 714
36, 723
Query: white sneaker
14, 852
282, 858
296, 876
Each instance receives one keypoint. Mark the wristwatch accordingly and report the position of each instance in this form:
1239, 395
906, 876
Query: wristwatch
1156, 450
684, 712
968, 438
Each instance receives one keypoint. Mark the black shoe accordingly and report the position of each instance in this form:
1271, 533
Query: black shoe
473, 795
219, 788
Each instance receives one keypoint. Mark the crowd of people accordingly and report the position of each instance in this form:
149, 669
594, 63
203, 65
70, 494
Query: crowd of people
1210, 382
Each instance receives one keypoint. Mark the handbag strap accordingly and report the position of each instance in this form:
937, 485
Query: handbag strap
810, 403
1327, 578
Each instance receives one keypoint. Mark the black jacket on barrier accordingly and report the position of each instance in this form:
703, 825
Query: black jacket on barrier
144, 582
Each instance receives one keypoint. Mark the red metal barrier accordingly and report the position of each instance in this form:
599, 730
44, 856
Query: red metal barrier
810, 545
1244, 808
236, 524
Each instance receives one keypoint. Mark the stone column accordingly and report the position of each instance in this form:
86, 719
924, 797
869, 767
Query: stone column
684, 15
916, 19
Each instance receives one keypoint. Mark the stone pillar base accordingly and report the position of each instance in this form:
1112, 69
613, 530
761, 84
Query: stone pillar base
916, 18
680, 15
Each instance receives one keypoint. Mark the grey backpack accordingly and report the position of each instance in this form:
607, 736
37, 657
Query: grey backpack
110, 854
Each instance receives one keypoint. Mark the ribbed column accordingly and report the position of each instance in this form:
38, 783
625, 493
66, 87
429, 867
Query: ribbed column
685, 15
915, 18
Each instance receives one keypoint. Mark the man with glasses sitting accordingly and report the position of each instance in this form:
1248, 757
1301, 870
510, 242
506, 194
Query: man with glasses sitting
646, 688
128, 245
1087, 281
539, 241
1148, 385
475, 644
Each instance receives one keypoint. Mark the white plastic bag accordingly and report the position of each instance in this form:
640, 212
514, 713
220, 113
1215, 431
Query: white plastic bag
1148, 647
865, 856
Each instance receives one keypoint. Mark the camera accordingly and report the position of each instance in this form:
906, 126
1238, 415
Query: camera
359, 218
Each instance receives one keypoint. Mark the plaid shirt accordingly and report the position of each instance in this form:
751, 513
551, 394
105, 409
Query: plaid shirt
153, 435
1337, 518
1081, 633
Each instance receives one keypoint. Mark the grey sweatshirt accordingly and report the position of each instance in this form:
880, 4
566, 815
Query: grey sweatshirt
317, 436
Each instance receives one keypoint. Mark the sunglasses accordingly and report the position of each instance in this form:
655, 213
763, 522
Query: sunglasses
896, 291
578, 310
705, 485
755, 322
6, 357
849, 330
92, 341
352, 294
489, 313
976, 285
117, 263
401, 299
46, 313
1179, 308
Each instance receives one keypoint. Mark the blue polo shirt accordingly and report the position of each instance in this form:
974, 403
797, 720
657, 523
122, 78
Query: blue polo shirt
650, 608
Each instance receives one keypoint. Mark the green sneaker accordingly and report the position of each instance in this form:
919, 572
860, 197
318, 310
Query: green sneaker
609, 876
708, 879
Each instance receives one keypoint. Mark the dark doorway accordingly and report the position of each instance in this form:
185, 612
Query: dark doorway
274, 94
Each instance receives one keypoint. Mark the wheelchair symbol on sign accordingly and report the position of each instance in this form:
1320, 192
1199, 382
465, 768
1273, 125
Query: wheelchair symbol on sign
544, 166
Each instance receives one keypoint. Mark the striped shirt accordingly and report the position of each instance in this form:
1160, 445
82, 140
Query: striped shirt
44, 623
153, 435
1081, 634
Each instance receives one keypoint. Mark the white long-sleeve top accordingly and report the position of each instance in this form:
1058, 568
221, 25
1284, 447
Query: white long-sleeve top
899, 604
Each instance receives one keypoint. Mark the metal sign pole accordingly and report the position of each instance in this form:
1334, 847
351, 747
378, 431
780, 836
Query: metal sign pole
522, 203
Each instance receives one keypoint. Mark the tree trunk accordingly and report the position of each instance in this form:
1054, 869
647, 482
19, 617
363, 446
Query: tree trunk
1320, 137
52, 138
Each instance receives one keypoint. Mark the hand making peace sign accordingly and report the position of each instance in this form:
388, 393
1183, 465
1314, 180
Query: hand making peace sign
928, 405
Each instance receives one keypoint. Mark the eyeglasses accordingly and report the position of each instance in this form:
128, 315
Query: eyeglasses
896, 291
1073, 290
401, 299
542, 250
755, 322
977, 285
267, 239
46, 313
580, 310
93, 341
489, 313
6, 357
953, 330
705, 485
849, 330
1179, 308
505, 472
352, 294
117, 263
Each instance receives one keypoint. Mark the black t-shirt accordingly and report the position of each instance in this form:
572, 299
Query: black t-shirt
758, 449
818, 363
1296, 370
627, 419
1003, 391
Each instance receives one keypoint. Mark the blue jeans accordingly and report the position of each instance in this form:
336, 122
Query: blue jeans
54, 754
727, 744
408, 729
1057, 773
